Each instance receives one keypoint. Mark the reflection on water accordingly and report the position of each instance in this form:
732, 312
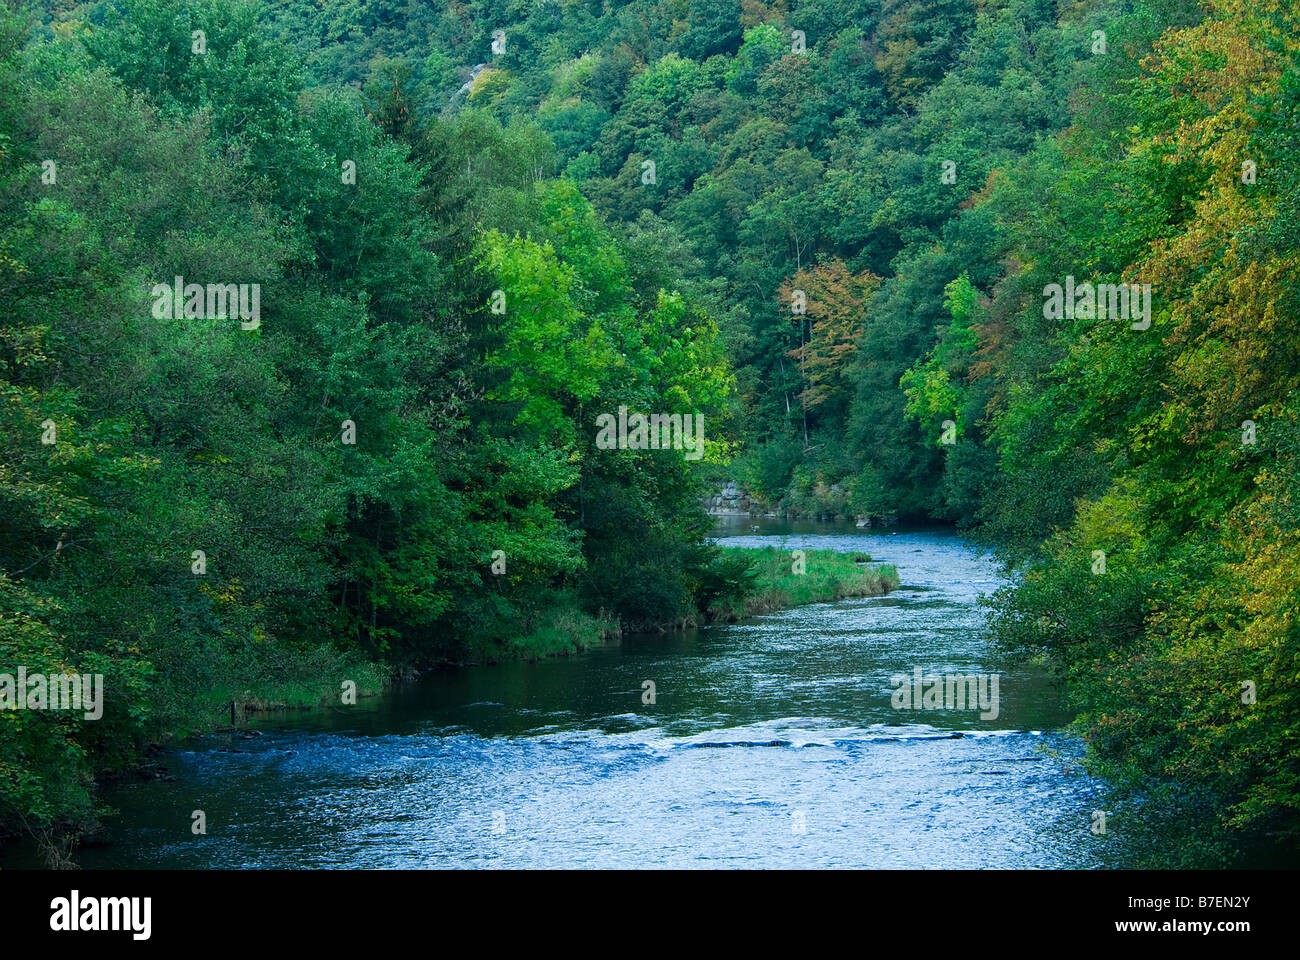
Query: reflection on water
771, 743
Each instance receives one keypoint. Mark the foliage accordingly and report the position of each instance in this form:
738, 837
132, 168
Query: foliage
382, 473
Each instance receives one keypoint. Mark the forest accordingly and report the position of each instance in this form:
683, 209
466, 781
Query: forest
1025, 267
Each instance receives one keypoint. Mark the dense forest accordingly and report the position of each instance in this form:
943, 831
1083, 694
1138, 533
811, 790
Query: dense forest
831, 229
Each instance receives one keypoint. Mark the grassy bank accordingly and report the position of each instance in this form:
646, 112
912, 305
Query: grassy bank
559, 631
314, 681
777, 579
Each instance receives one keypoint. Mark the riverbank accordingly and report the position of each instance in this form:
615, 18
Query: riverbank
792, 578
747, 729
241, 683
221, 689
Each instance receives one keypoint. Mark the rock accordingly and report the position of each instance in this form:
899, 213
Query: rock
730, 500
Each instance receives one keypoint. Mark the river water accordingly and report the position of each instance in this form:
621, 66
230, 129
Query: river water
770, 743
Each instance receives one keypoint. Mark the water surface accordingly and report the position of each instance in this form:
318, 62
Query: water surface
771, 743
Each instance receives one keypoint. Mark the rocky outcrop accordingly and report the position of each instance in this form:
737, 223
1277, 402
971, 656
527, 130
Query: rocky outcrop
730, 501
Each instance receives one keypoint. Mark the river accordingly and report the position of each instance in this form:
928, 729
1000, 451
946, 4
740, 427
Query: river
770, 743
